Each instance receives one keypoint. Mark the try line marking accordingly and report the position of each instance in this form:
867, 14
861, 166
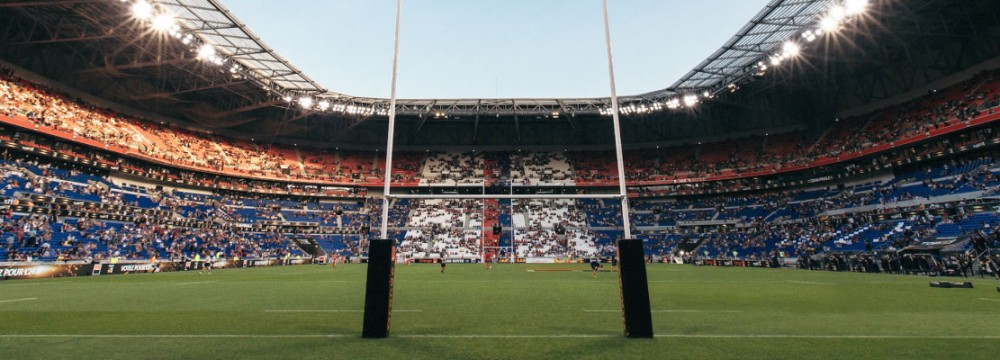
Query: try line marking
16, 300
987, 299
503, 336
330, 311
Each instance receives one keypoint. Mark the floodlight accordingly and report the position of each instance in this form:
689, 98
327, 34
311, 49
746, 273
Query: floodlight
287, 98
790, 49
690, 100
837, 13
206, 51
306, 102
142, 10
323, 105
855, 7
809, 35
163, 22
829, 24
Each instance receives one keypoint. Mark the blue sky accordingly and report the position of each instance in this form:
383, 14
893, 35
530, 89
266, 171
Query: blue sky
494, 48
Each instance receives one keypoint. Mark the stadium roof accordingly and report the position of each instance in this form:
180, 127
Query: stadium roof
216, 25
779, 21
100, 49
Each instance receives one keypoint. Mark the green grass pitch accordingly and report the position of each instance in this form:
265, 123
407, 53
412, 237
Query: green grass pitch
509, 312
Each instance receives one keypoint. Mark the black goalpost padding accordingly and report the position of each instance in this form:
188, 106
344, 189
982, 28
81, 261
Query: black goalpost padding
635, 289
378, 289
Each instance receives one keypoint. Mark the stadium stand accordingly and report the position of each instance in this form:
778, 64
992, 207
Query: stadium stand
930, 200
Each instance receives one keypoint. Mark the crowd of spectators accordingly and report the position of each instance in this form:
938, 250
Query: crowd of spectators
72, 119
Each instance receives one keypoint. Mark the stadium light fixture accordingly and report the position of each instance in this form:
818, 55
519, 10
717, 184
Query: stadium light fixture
206, 52
809, 35
829, 24
323, 105
855, 7
790, 49
287, 98
837, 13
142, 10
163, 22
690, 100
305, 102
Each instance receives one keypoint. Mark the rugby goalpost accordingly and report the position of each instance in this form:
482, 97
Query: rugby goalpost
632, 277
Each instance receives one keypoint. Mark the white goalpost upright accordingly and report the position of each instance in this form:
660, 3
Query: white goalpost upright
618, 132
392, 127
622, 194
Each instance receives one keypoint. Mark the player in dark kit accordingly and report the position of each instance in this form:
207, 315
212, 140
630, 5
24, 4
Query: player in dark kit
595, 264
442, 263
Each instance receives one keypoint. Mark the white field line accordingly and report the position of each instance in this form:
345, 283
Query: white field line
805, 336
306, 272
334, 311
671, 311
174, 336
809, 282
196, 282
16, 300
511, 336
987, 299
